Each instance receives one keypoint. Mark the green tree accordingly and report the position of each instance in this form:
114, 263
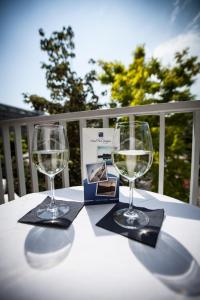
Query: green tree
68, 91
144, 82
148, 81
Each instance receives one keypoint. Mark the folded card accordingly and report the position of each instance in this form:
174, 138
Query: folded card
101, 181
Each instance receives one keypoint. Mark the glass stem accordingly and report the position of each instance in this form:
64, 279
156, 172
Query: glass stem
52, 203
131, 186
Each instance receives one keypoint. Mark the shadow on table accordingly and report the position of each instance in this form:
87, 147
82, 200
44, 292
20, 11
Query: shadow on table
45, 247
171, 263
96, 213
174, 209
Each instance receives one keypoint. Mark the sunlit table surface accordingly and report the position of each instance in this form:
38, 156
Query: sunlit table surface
88, 262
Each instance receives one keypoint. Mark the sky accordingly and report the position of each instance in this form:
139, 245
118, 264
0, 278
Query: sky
107, 29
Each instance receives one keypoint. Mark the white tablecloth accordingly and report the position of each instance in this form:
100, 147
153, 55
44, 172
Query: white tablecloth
88, 262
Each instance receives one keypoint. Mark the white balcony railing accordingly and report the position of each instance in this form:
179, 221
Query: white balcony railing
154, 109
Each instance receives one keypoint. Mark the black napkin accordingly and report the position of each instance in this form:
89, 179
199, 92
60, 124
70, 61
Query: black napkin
147, 235
64, 221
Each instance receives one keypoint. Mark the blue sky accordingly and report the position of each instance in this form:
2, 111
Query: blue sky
107, 29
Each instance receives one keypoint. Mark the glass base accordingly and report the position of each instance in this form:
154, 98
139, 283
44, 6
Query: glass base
134, 219
56, 212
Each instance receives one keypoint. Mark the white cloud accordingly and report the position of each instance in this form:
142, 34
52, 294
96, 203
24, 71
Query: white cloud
175, 11
194, 24
166, 50
178, 6
185, 3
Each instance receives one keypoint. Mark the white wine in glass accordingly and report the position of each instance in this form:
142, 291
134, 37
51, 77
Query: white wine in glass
50, 155
132, 157
50, 162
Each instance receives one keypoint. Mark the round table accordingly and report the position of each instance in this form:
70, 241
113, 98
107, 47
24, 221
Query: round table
88, 262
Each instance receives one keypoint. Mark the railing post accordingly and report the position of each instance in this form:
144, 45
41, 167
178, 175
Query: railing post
131, 118
65, 172
82, 124
19, 159
161, 154
2, 200
105, 122
8, 162
195, 159
34, 174
132, 134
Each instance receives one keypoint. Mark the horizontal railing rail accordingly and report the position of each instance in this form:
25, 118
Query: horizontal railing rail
104, 114
172, 107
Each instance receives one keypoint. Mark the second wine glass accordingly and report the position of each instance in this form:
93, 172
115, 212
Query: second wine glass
132, 157
50, 155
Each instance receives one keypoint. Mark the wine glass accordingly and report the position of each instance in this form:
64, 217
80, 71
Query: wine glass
132, 157
50, 155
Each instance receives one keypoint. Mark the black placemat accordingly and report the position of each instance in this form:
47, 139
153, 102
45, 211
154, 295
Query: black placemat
147, 235
64, 221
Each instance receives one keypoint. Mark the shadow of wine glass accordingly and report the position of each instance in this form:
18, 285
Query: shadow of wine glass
171, 263
45, 247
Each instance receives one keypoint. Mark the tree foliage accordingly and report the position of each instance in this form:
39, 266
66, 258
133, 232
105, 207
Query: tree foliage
144, 82
68, 91
149, 81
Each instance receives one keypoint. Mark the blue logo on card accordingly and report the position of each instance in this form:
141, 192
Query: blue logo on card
100, 134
